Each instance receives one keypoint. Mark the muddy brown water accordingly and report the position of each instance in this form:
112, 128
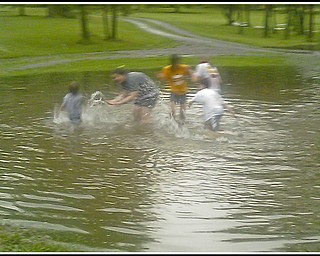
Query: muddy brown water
113, 186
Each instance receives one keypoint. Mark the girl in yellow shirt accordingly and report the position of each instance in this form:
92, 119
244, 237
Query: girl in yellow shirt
176, 76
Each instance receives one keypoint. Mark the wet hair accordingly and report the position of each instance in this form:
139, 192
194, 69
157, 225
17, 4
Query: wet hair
74, 87
204, 60
175, 58
120, 71
205, 82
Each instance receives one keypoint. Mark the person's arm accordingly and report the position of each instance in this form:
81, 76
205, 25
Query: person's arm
229, 108
192, 75
190, 103
159, 75
61, 108
124, 99
219, 76
117, 98
195, 78
162, 75
197, 73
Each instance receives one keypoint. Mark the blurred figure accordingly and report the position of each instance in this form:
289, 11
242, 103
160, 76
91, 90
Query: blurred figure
205, 70
73, 103
176, 75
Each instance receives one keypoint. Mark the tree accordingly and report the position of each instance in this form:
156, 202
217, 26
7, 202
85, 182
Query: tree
268, 12
21, 9
114, 9
310, 34
289, 22
229, 12
241, 22
60, 10
300, 13
84, 24
114, 21
105, 22
247, 10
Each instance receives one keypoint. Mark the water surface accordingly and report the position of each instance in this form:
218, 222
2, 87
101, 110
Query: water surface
115, 186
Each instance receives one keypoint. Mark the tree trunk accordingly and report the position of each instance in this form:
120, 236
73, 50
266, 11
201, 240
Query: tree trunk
84, 24
289, 23
105, 22
301, 15
310, 34
21, 10
268, 9
229, 12
248, 20
114, 22
240, 16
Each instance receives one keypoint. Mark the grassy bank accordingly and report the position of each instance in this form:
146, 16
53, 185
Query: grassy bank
34, 43
133, 64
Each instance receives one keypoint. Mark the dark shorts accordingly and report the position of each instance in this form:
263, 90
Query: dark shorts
148, 101
178, 99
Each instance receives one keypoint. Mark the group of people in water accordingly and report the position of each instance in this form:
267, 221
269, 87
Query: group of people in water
140, 88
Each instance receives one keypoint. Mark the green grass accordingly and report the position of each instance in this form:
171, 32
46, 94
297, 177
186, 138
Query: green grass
21, 240
54, 39
37, 36
142, 64
212, 23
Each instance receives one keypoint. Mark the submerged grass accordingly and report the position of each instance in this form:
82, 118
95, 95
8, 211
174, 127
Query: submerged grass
22, 240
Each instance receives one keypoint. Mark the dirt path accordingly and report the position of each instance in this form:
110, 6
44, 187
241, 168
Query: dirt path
191, 45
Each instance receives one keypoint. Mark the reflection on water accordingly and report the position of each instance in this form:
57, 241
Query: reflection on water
111, 185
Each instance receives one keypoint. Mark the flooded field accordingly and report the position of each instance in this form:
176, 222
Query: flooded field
114, 186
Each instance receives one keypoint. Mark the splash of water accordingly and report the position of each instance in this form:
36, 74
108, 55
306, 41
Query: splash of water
97, 98
97, 114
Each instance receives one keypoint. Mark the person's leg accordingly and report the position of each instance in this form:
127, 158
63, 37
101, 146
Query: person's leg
137, 113
214, 123
183, 112
183, 107
142, 114
143, 108
145, 113
173, 105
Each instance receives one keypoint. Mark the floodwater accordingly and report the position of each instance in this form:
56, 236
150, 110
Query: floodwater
114, 186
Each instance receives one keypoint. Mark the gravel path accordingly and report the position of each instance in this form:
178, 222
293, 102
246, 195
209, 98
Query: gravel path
191, 45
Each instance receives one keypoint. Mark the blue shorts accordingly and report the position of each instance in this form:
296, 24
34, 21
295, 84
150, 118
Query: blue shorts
213, 123
178, 99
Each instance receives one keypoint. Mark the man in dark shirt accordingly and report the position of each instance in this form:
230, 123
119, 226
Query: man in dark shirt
139, 87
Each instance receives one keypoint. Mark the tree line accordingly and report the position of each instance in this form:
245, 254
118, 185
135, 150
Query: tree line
299, 17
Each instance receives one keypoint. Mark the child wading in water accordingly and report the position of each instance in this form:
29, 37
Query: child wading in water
213, 104
72, 103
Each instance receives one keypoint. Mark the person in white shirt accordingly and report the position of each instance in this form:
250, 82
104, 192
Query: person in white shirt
213, 104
